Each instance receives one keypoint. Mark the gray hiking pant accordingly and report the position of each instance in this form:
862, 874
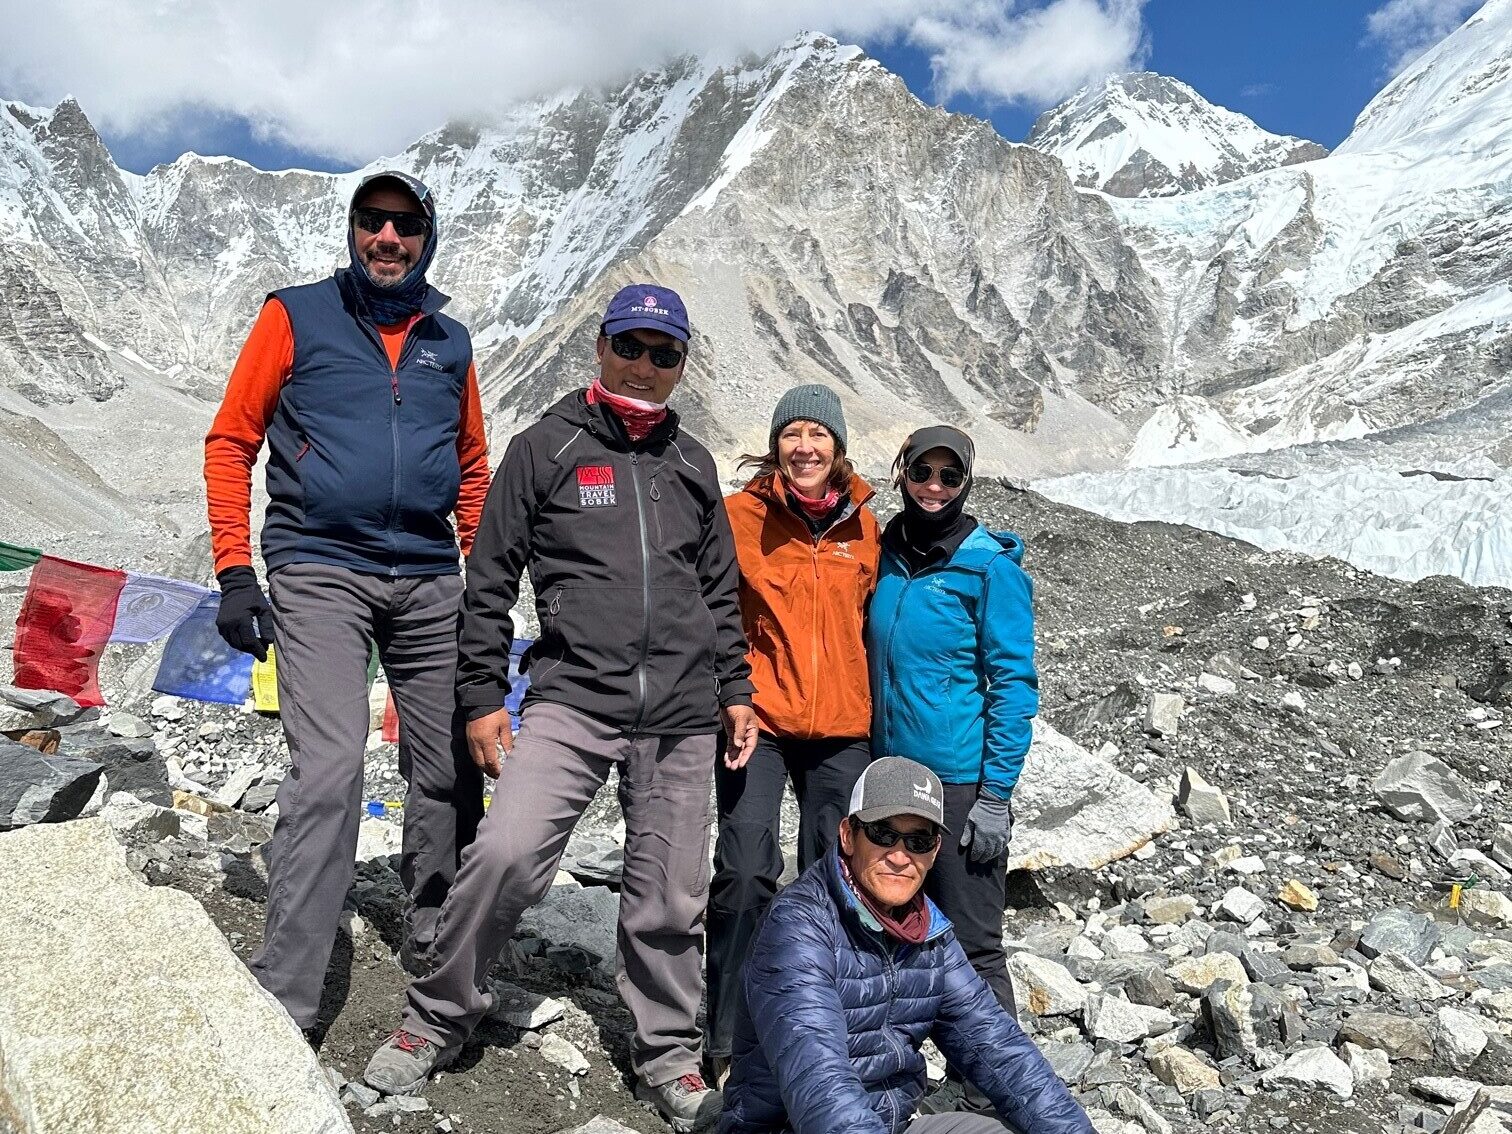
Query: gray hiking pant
955, 1124
326, 619
561, 758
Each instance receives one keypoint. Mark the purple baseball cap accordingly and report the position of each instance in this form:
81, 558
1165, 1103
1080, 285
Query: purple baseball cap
649, 307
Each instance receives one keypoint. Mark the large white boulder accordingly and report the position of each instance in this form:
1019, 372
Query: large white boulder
1072, 809
123, 1008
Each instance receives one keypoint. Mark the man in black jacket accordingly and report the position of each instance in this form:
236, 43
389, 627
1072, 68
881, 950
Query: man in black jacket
618, 515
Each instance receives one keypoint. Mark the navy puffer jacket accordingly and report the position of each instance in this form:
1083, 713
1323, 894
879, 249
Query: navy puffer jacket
834, 1014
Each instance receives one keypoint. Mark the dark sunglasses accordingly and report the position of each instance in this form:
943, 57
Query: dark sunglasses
662, 357
951, 477
405, 224
885, 836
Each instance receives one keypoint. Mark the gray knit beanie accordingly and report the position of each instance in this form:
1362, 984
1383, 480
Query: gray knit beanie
809, 403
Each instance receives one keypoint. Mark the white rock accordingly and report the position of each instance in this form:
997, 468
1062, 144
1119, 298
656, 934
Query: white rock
1501, 845
1195, 974
1367, 1064
124, 724
1468, 861
1485, 909
377, 838
528, 1011
1459, 1037
167, 708
1219, 686
1072, 809
1125, 939
1240, 905
1200, 801
1050, 989
1314, 1067
1395, 975
1109, 1018
1420, 788
123, 1008
127, 815
566, 1055
1248, 864
1163, 713
238, 783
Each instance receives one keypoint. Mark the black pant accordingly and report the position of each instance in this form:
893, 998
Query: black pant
748, 854
972, 895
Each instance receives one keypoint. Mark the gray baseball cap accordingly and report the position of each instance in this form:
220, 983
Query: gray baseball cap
895, 786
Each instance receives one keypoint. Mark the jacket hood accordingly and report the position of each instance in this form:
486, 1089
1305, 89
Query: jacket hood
980, 547
850, 906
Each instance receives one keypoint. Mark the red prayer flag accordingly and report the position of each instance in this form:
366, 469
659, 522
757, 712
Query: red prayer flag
390, 721
64, 624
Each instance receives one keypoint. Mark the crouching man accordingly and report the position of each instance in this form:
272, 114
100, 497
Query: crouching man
854, 968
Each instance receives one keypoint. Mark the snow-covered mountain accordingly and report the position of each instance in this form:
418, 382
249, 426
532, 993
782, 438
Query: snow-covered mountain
927, 268
1149, 135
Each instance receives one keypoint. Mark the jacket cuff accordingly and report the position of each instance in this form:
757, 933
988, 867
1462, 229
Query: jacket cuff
238, 575
490, 697
738, 692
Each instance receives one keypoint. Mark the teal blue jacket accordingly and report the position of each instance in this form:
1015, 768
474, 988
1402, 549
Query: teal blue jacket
951, 654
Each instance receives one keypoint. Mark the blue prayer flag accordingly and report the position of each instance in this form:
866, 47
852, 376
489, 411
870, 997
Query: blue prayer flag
197, 663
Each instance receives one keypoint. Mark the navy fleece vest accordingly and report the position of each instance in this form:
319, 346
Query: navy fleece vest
362, 465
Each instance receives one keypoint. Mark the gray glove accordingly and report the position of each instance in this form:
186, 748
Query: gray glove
988, 828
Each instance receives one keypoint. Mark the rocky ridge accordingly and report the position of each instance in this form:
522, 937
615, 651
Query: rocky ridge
1328, 749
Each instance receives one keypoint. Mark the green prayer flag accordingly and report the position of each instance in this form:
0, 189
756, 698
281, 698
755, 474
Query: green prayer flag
13, 558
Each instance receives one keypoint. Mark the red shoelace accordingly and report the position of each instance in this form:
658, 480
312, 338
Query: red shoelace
693, 1084
404, 1041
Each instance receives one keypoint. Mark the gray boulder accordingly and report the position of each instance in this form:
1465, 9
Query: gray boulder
42, 789
1404, 932
585, 917
131, 764
1420, 788
1200, 801
39, 708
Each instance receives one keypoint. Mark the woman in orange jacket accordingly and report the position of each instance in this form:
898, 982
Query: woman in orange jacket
809, 550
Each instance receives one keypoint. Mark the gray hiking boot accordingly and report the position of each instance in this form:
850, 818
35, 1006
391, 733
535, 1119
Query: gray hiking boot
686, 1103
404, 1062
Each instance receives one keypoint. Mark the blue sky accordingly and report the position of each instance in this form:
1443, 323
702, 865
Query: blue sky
1304, 67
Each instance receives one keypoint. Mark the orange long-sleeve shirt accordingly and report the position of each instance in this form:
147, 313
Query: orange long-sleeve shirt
240, 426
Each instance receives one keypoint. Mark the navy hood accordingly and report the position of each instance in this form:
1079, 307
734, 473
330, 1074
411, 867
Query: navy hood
386, 305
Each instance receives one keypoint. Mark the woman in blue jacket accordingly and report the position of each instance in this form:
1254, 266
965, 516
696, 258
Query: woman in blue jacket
950, 646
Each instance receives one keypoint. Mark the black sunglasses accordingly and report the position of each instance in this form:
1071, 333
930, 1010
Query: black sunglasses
950, 476
405, 224
915, 842
662, 357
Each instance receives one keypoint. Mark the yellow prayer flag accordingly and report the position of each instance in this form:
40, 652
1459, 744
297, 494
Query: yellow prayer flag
265, 684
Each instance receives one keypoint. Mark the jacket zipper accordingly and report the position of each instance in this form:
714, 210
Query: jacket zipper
394, 491
640, 670
887, 654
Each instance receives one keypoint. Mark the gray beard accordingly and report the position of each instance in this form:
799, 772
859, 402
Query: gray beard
386, 285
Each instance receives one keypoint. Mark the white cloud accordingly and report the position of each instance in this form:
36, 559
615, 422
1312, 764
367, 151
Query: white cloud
1407, 28
355, 79
1032, 55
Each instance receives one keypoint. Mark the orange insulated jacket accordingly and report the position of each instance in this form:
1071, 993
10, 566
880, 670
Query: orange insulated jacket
803, 604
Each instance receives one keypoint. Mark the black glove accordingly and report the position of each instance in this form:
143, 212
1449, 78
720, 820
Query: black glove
245, 619
988, 828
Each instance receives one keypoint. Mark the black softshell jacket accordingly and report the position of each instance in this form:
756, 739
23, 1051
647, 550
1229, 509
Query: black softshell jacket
630, 553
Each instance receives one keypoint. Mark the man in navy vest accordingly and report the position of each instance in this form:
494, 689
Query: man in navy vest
368, 400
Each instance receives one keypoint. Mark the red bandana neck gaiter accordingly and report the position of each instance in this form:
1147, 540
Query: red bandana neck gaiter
909, 924
815, 508
639, 417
